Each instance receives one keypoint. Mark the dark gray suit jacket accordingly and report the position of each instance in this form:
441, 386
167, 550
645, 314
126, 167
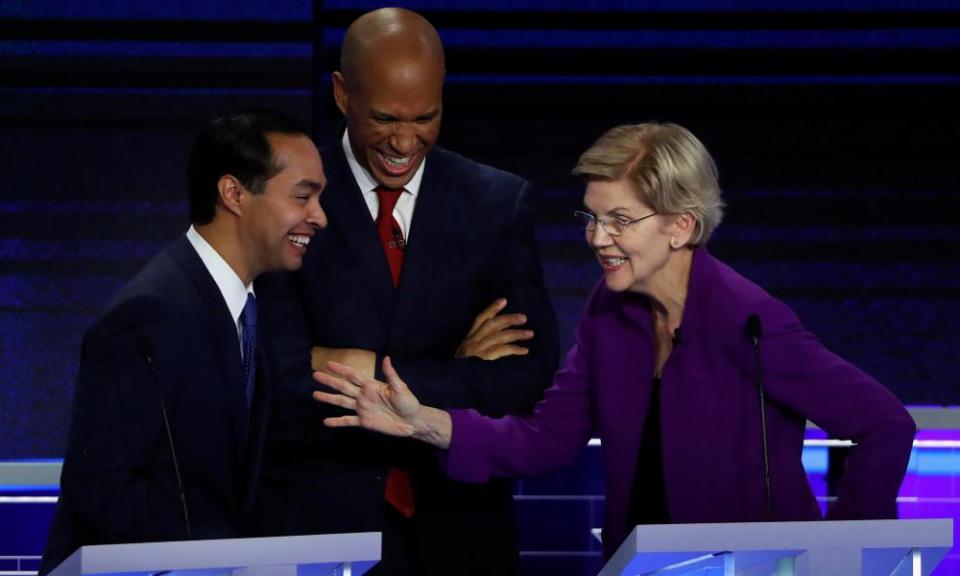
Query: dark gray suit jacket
168, 330
471, 241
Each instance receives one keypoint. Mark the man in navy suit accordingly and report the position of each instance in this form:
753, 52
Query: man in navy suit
171, 403
430, 259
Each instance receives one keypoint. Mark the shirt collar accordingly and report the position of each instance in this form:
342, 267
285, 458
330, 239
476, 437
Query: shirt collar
231, 287
363, 177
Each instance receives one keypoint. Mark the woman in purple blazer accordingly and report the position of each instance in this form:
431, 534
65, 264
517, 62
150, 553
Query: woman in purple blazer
698, 382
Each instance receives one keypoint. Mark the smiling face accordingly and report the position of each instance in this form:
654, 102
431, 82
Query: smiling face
393, 107
634, 260
278, 223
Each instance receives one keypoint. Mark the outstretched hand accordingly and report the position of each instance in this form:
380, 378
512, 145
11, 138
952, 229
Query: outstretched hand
388, 407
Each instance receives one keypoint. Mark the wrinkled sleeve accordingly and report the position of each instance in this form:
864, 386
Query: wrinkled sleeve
548, 439
512, 384
847, 403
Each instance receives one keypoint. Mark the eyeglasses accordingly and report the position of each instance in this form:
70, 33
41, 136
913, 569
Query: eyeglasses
611, 225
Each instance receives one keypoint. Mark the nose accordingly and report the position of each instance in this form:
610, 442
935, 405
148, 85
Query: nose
404, 139
598, 237
317, 217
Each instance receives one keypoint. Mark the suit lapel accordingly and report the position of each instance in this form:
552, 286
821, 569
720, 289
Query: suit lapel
350, 220
431, 232
223, 332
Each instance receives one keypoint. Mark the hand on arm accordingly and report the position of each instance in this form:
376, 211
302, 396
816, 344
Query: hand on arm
447, 362
389, 408
493, 335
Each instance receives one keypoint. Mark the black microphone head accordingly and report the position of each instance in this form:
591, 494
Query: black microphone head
754, 329
145, 348
677, 337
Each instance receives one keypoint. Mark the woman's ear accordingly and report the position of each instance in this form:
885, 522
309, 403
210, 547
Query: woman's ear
682, 230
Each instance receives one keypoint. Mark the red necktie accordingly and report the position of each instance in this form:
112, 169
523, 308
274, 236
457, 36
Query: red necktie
398, 491
391, 235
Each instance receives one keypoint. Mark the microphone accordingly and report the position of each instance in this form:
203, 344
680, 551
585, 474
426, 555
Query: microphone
145, 348
677, 337
754, 331
146, 351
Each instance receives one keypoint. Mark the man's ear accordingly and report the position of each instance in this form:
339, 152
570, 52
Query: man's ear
340, 94
230, 192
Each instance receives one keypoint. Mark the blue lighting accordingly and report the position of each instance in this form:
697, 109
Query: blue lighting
16, 249
707, 80
117, 49
815, 460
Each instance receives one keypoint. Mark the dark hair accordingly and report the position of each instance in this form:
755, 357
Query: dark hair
237, 145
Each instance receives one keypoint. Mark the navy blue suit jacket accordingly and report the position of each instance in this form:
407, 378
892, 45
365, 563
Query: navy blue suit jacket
471, 241
118, 483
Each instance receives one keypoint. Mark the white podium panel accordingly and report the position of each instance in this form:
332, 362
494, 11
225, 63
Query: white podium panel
834, 548
315, 555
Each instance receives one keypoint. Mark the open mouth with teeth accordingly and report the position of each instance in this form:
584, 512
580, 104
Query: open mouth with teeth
395, 165
300, 240
613, 261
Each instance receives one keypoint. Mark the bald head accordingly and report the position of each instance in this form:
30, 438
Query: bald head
391, 34
390, 90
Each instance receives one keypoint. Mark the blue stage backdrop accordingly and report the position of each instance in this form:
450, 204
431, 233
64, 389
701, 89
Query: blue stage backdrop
834, 125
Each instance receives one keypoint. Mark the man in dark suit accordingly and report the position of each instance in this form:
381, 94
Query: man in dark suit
430, 259
170, 408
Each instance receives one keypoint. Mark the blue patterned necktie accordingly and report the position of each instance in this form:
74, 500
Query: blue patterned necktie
248, 320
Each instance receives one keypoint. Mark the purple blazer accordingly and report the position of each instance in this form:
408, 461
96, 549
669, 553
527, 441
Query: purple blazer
713, 465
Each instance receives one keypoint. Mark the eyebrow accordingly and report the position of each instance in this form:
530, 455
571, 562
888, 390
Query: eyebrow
429, 115
378, 115
611, 211
312, 185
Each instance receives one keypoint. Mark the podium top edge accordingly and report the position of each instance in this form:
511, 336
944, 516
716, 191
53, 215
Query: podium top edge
736, 536
222, 553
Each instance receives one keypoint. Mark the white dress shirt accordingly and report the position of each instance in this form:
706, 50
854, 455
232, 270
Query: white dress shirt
230, 285
403, 211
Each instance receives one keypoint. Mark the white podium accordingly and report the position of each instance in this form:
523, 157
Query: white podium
320, 555
835, 548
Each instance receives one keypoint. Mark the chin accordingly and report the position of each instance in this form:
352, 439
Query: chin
394, 182
295, 264
290, 264
615, 284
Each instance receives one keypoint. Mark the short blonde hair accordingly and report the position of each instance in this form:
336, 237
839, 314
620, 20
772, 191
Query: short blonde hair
666, 165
